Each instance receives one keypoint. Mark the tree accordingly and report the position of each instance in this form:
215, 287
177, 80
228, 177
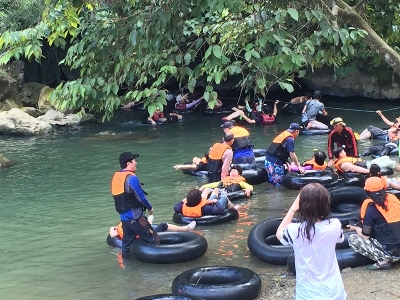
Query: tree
19, 14
354, 15
140, 45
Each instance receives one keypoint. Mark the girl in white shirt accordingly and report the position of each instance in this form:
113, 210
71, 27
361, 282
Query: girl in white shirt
313, 240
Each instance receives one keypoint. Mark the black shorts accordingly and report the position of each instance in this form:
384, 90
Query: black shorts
375, 131
202, 167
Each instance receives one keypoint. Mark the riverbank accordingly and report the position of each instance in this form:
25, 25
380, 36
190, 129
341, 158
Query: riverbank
359, 283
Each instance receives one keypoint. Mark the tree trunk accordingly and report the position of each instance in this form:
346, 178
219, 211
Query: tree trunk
373, 40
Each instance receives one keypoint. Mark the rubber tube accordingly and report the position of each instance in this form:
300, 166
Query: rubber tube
347, 195
174, 247
315, 131
253, 176
115, 241
260, 152
237, 195
217, 112
295, 181
228, 215
272, 240
394, 192
218, 283
169, 297
260, 248
346, 258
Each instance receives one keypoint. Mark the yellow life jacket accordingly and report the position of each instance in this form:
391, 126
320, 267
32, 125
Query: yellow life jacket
228, 180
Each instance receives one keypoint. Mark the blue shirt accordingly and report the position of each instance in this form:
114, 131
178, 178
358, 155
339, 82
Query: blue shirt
243, 152
133, 183
288, 144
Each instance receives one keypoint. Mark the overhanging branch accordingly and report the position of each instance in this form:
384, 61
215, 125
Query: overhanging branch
359, 6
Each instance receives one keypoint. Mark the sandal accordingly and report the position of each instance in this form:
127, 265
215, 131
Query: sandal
379, 266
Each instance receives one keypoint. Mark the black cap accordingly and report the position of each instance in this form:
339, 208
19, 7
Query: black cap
127, 156
227, 124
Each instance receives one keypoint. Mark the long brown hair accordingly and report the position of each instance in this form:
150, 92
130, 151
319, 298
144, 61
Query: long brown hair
314, 205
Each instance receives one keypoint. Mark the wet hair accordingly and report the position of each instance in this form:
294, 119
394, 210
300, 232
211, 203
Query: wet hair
317, 95
193, 197
375, 170
337, 151
308, 95
320, 157
314, 205
237, 168
228, 137
379, 198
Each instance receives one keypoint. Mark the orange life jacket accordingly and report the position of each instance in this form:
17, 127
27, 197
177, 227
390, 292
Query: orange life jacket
214, 162
123, 200
391, 215
242, 138
386, 233
195, 211
239, 132
394, 134
228, 180
203, 159
315, 165
276, 148
339, 161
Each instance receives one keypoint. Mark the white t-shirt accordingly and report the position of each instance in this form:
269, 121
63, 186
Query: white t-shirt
317, 271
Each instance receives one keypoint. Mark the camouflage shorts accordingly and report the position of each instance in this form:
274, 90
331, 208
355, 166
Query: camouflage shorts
371, 248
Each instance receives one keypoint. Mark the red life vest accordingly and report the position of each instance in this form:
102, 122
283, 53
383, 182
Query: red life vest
180, 106
267, 119
158, 116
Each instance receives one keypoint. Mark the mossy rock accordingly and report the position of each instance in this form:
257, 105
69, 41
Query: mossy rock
5, 162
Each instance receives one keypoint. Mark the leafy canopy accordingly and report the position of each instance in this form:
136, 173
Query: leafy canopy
141, 45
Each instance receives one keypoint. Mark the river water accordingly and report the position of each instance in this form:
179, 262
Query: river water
56, 207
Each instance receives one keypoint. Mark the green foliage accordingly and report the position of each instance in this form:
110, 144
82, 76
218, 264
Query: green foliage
19, 14
144, 44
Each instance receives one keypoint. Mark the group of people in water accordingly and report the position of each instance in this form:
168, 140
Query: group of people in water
314, 237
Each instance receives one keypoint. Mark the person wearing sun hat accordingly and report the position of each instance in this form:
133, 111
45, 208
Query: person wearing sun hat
278, 153
342, 136
378, 236
131, 203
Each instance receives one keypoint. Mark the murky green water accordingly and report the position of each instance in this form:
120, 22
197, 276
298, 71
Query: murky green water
56, 207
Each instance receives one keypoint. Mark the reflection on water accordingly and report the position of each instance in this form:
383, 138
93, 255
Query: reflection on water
57, 208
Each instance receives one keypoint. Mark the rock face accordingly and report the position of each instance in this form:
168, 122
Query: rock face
15, 121
11, 78
57, 118
5, 162
354, 83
